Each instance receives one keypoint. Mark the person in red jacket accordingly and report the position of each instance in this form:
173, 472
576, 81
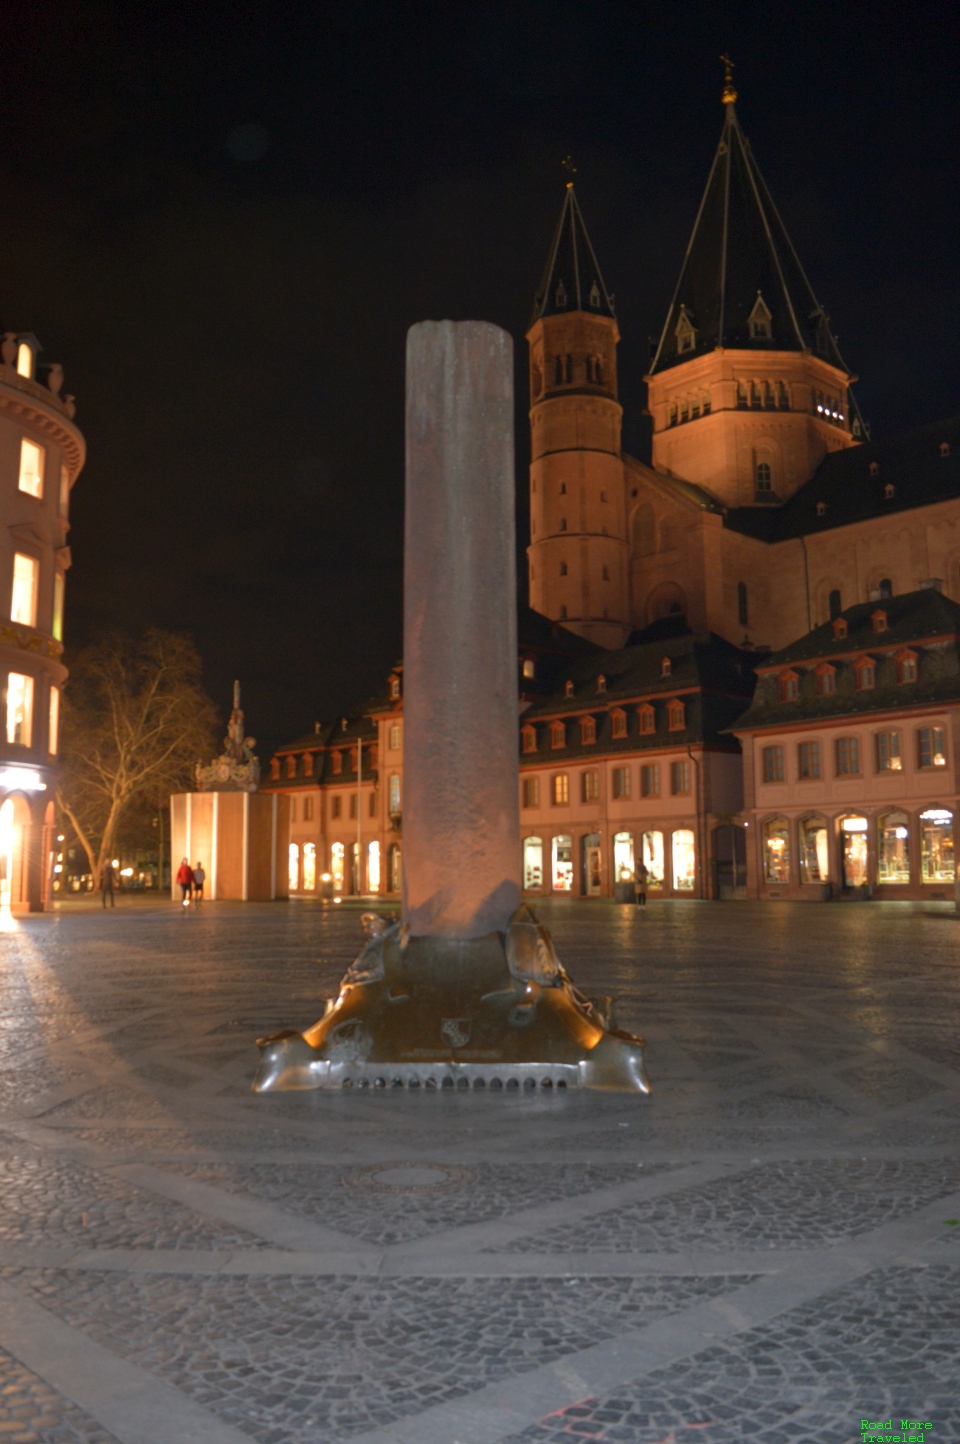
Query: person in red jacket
185, 881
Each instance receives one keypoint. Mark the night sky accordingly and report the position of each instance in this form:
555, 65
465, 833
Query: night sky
222, 220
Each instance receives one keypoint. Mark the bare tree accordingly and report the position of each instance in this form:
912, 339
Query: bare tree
135, 722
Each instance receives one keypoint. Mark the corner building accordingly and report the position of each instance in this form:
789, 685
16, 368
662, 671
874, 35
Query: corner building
41, 455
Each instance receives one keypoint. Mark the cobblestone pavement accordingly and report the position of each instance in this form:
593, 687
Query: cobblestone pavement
766, 1249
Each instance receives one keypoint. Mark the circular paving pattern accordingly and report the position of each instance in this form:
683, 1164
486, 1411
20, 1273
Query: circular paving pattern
409, 1178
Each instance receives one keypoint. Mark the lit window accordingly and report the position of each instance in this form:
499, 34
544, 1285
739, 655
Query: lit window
848, 756
776, 850
907, 667
19, 709
676, 716
773, 764
588, 731
558, 735
58, 589
53, 727
529, 667
650, 779
309, 866
393, 805
560, 789
679, 778
529, 739
293, 867
684, 860
373, 866
888, 752
621, 782
866, 675
24, 359
64, 491
936, 845
808, 760
589, 786
31, 467
337, 854
532, 864
26, 578
789, 686
531, 792
618, 723
648, 722
893, 850
764, 476
814, 851
930, 749
393, 737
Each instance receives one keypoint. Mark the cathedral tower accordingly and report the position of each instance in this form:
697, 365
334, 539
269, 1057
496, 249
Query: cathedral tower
748, 390
578, 562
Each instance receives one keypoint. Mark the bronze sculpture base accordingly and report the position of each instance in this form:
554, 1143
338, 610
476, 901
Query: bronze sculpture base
431, 1012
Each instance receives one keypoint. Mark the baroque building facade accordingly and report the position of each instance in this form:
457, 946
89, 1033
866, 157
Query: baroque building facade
764, 515
41, 455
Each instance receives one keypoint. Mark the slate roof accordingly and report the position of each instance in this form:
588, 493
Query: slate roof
739, 248
925, 622
713, 678
914, 464
571, 278
331, 736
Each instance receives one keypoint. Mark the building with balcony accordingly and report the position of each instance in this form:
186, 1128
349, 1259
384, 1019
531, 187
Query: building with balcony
41, 455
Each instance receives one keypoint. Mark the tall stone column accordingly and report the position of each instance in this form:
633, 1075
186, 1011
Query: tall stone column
461, 830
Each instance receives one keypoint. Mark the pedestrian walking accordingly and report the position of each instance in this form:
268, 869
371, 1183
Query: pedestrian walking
199, 878
185, 881
108, 881
640, 878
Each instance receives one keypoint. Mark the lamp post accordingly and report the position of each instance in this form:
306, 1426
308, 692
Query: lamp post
359, 815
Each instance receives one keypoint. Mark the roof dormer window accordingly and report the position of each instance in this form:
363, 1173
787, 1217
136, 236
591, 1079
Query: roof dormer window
558, 735
889, 491
839, 629
874, 468
529, 739
821, 508
618, 723
676, 715
394, 689
601, 683
648, 721
789, 686
826, 679
944, 448
866, 673
588, 731
666, 667
878, 620
906, 665
685, 332
568, 689
759, 320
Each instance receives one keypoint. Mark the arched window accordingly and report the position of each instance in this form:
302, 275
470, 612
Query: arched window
764, 476
886, 588
776, 850
24, 359
742, 610
893, 849
293, 867
835, 606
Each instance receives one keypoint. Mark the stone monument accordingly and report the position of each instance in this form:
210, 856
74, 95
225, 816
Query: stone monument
237, 769
466, 989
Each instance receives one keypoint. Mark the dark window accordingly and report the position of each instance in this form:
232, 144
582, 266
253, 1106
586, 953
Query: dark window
808, 760
569, 375
886, 588
650, 780
742, 610
764, 479
558, 371
679, 778
773, 764
835, 606
848, 756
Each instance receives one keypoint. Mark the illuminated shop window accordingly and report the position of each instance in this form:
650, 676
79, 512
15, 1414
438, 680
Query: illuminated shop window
930, 748
776, 850
562, 863
652, 847
26, 580
814, 850
53, 726
309, 867
623, 865
533, 864
31, 467
853, 834
650, 779
893, 848
373, 866
336, 866
19, 709
293, 867
395, 864
684, 860
936, 845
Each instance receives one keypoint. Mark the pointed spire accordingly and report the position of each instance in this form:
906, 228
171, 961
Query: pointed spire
571, 279
741, 284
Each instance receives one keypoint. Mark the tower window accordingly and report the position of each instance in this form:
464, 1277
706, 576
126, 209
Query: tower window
603, 496
563, 488
742, 610
685, 332
24, 359
26, 583
598, 371
563, 569
783, 397
568, 689
759, 320
601, 683
561, 294
595, 296
764, 478
886, 588
563, 614
834, 605
821, 508
589, 365
563, 523
889, 491
741, 395
754, 393
706, 403
31, 468
874, 468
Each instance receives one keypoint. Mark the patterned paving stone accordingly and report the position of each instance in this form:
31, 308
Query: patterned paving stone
778, 1205
490, 1191
33, 1413
883, 1347
311, 1361
54, 1202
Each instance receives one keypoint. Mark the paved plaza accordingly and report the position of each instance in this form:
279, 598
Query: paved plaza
767, 1249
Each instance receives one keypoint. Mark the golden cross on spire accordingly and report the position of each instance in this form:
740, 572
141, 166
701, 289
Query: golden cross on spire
570, 169
729, 89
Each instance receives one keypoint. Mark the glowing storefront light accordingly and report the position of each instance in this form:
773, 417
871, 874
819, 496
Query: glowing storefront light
776, 851
373, 866
23, 599
309, 867
936, 845
293, 867
21, 779
814, 851
562, 864
6, 852
893, 849
855, 851
653, 858
533, 863
336, 865
623, 864
684, 860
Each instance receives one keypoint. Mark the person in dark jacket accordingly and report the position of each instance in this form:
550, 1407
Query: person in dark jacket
108, 880
640, 878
